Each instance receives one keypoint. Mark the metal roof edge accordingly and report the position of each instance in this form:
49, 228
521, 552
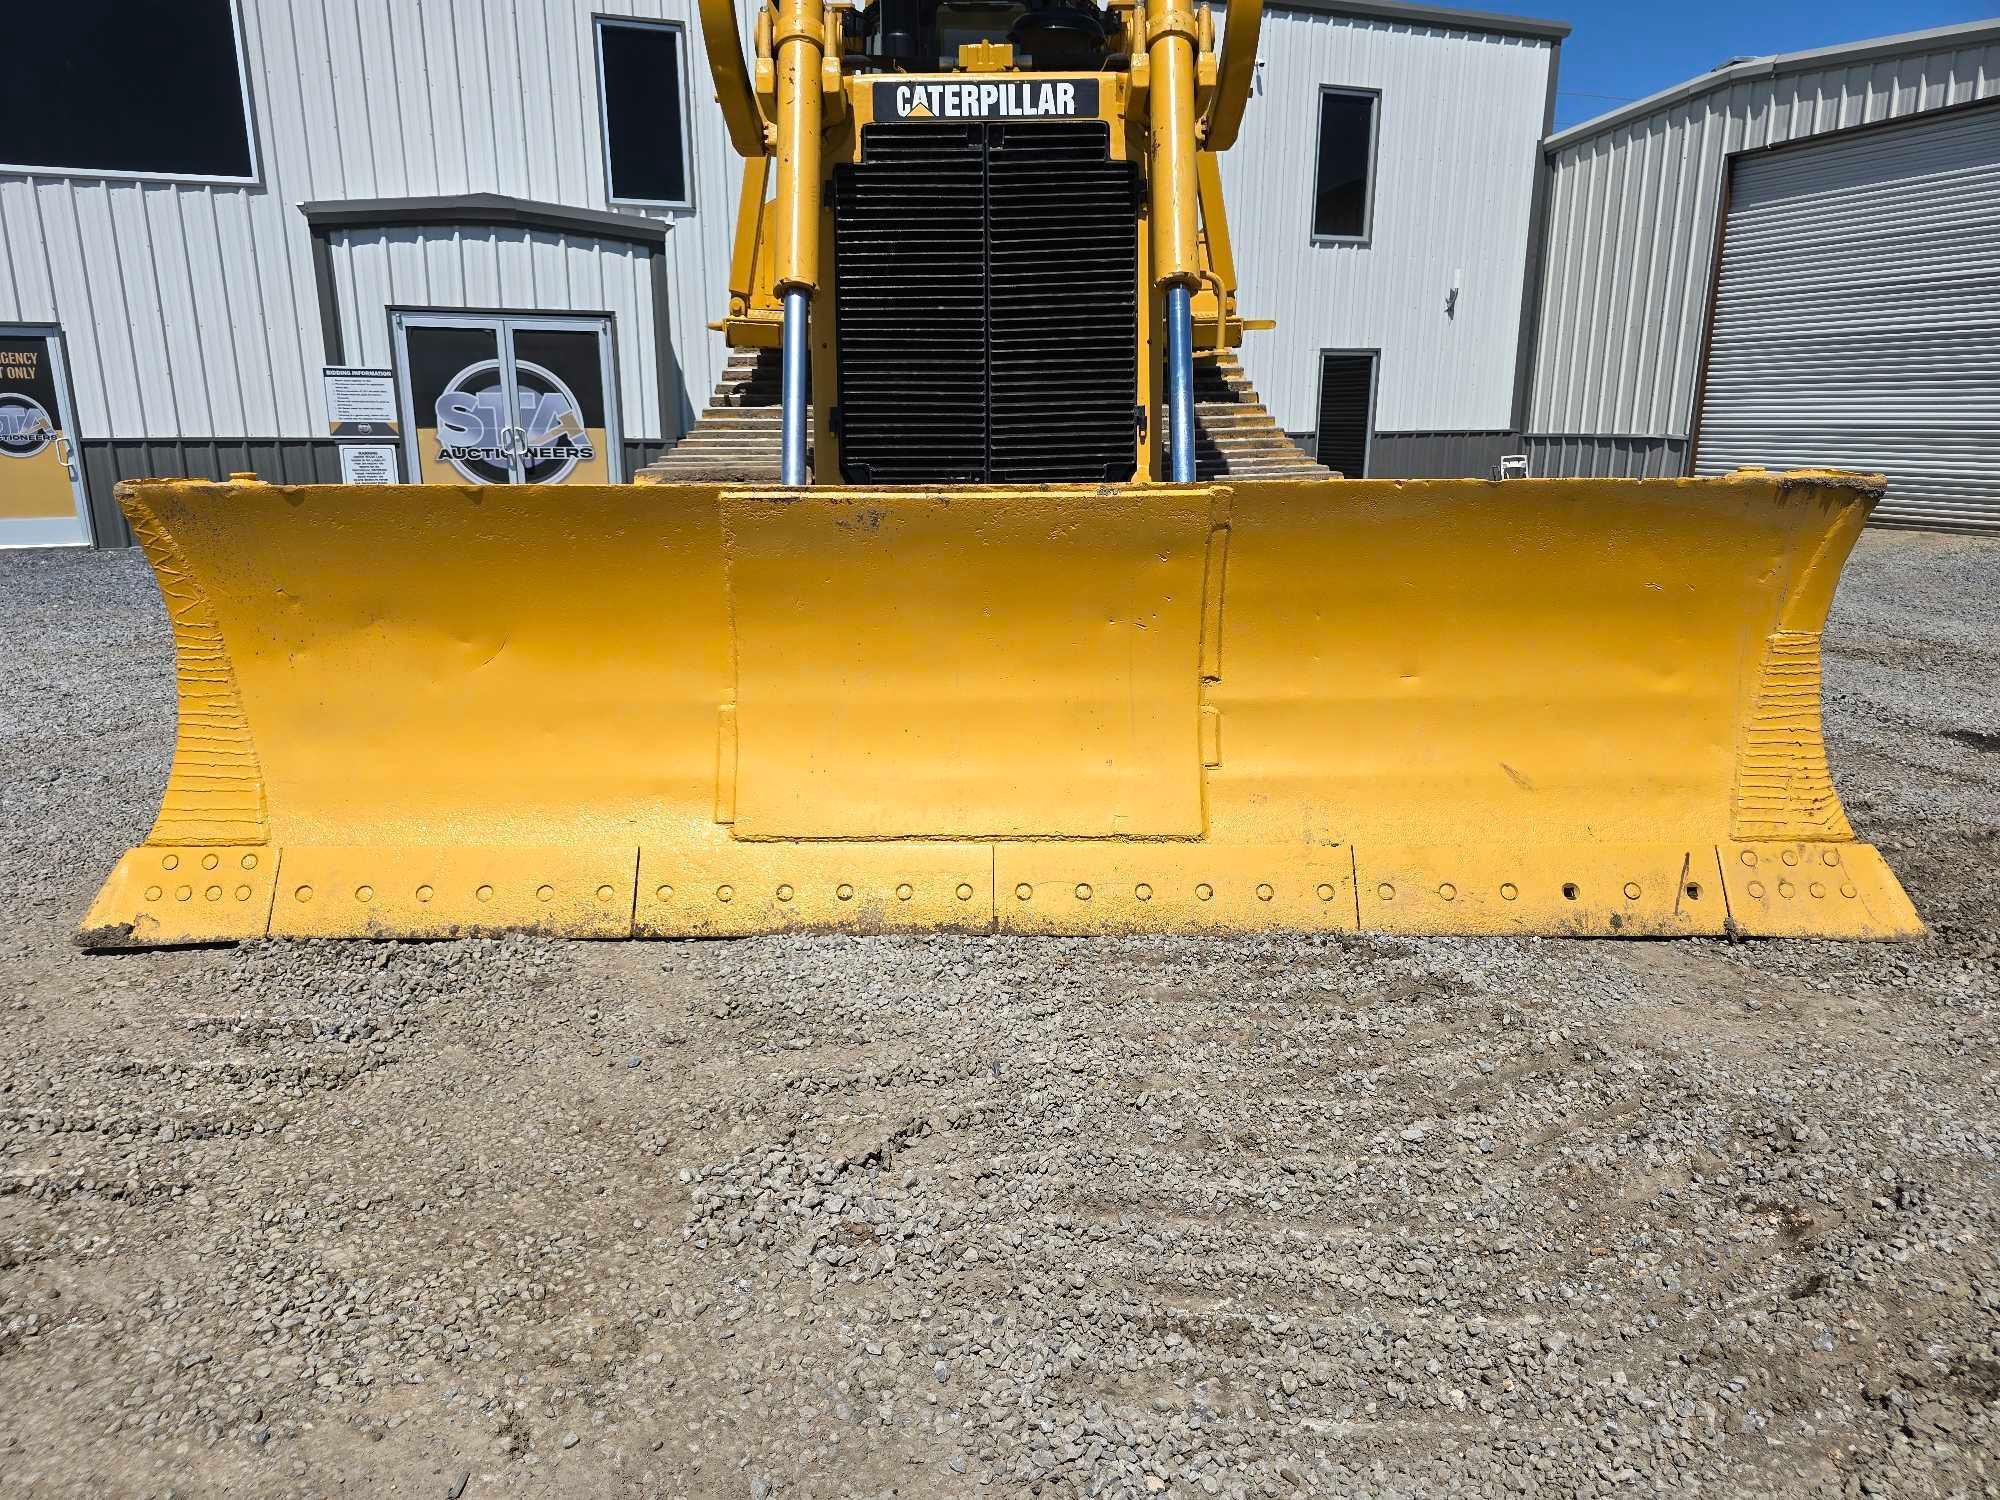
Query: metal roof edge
1773, 66
481, 210
1441, 17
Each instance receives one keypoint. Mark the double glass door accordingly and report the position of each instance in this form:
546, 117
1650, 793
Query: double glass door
508, 400
42, 500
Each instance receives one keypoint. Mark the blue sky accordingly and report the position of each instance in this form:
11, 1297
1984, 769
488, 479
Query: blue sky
1626, 49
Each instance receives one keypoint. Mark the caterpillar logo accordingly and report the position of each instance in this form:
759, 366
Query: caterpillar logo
1012, 99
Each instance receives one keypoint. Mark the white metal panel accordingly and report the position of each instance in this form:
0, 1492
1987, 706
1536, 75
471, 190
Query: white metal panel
1857, 316
1634, 209
1458, 132
191, 310
507, 271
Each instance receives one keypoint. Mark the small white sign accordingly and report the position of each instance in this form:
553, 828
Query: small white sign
360, 402
368, 463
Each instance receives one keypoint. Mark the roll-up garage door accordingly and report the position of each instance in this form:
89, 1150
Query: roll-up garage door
1857, 316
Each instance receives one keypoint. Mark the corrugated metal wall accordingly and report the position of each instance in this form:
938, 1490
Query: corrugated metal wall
1460, 126
1857, 316
1605, 457
190, 310
1430, 455
517, 270
1632, 234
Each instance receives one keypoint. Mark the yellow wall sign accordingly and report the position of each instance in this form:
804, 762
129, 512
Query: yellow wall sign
39, 496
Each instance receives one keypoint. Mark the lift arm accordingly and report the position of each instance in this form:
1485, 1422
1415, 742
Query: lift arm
733, 92
1234, 73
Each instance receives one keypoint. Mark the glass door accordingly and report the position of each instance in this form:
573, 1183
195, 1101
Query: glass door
562, 371
496, 399
457, 400
42, 501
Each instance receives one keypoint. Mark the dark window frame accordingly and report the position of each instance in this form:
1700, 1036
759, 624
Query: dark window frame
1374, 357
127, 174
1374, 97
599, 24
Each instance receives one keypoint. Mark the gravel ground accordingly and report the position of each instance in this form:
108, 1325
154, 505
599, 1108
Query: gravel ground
983, 1218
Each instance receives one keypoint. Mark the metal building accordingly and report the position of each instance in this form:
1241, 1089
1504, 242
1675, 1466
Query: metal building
1792, 260
203, 205
1424, 311
443, 158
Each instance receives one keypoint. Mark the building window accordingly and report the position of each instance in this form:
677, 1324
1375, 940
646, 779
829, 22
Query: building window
125, 88
640, 84
1346, 412
1344, 173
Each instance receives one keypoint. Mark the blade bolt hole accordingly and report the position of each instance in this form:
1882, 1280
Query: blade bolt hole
1570, 892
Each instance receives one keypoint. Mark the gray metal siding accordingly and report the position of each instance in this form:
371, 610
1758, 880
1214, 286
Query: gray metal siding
1633, 219
1605, 457
1458, 131
1857, 316
190, 310
1438, 455
274, 460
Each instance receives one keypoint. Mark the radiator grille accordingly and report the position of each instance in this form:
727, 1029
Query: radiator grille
986, 295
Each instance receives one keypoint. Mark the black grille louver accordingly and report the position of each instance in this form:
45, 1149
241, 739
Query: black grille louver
1346, 394
986, 295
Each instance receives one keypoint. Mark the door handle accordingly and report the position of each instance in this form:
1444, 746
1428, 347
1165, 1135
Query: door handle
514, 440
66, 454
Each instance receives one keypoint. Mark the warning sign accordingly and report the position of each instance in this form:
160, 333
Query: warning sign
368, 463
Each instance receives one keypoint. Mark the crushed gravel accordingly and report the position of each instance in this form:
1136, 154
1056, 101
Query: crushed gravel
979, 1218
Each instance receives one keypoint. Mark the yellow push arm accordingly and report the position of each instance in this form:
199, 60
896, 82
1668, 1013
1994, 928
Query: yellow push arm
732, 77
749, 220
1234, 73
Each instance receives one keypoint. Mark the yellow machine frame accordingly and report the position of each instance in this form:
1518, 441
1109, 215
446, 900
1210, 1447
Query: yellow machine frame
1181, 102
1272, 701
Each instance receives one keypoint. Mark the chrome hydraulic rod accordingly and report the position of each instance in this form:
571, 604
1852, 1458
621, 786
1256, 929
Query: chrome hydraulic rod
796, 409
1180, 385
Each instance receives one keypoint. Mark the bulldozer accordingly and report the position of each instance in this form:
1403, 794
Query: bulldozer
986, 596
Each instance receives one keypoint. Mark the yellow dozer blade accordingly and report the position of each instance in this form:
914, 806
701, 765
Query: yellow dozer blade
1562, 707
